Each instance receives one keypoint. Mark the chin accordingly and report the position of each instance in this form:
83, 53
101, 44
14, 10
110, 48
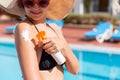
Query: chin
38, 19
37, 16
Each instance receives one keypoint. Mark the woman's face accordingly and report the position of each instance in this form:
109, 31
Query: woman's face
36, 9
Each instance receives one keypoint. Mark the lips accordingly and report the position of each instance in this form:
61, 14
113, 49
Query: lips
35, 12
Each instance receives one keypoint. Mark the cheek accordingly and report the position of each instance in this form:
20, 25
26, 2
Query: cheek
44, 10
27, 11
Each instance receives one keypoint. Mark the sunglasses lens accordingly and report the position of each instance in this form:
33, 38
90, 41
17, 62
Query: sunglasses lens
44, 3
28, 4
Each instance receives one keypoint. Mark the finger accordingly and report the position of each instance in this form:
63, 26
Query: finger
46, 41
34, 42
43, 42
51, 50
40, 44
48, 45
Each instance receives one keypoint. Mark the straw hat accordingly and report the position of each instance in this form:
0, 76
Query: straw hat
57, 9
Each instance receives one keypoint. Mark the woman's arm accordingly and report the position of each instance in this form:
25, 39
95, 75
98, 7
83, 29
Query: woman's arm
26, 54
72, 62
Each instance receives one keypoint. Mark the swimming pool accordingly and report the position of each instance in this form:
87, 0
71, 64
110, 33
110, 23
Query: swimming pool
9, 66
96, 63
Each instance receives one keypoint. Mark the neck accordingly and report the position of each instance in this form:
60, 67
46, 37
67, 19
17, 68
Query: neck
39, 21
36, 22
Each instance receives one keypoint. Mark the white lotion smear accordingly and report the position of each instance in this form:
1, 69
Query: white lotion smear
25, 35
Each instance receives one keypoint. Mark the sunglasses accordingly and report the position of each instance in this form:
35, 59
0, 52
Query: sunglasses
31, 3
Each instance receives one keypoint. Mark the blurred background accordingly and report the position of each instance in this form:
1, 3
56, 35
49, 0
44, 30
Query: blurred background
92, 29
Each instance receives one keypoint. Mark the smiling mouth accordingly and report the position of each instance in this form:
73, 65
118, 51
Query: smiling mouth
35, 12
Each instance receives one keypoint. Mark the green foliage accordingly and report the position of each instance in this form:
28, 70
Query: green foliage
92, 19
87, 5
73, 18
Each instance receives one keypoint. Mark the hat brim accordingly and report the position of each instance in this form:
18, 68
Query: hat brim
57, 9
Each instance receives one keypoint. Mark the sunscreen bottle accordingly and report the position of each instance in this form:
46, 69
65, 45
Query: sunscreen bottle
58, 57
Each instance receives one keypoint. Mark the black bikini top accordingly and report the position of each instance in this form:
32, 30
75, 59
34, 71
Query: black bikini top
47, 62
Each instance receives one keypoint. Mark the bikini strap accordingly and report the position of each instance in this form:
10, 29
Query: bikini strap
50, 25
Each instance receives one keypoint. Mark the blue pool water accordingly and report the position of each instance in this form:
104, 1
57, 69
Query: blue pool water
9, 66
96, 64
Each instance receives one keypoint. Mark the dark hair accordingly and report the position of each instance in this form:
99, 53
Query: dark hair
20, 4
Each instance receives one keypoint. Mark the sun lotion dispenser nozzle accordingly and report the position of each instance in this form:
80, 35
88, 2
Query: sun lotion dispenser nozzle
58, 57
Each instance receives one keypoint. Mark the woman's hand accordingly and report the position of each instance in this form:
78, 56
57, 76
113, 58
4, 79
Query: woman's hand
52, 45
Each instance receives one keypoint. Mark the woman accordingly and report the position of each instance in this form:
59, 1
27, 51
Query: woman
30, 50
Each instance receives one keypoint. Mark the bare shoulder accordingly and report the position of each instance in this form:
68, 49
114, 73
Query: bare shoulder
55, 27
22, 33
58, 31
21, 26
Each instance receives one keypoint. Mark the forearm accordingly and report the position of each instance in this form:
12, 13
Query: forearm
72, 62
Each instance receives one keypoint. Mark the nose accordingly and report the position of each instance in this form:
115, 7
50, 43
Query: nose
35, 6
